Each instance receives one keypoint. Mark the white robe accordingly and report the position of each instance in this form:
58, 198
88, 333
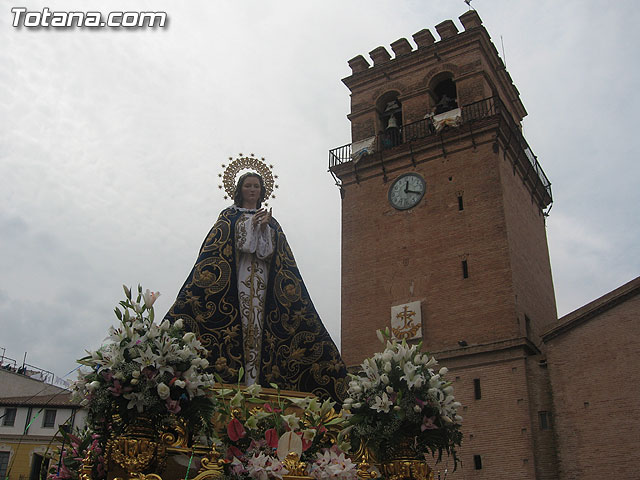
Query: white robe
254, 248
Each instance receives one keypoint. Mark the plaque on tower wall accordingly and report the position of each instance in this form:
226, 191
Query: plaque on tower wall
406, 321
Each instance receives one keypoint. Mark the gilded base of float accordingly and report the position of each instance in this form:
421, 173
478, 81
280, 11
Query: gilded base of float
407, 469
142, 453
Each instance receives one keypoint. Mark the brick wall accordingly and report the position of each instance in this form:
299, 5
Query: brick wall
541, 403
595, 379
391, 257
528, 253
497, 427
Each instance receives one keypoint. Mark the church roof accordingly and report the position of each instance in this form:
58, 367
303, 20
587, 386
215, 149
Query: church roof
593, 309
55, 400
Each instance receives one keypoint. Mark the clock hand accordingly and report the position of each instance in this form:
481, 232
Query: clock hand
411, 191
406, 188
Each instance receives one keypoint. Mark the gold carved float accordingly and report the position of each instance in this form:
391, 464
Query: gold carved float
142, 453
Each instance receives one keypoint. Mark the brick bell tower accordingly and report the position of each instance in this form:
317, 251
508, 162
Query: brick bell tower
443, 216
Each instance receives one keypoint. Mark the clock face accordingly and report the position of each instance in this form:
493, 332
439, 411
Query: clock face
406, 191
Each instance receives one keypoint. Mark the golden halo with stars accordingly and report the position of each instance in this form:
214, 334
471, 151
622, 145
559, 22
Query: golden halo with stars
250, 163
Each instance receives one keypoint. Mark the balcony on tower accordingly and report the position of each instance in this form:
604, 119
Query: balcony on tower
425, 103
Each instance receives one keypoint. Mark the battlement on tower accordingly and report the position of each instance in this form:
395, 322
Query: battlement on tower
424, 39
466, 55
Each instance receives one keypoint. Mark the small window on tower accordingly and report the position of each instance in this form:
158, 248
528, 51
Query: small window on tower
465, 269
477, 462
460, 203
545, 420
476, 388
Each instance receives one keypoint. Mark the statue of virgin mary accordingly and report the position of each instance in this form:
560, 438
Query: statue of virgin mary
247, 303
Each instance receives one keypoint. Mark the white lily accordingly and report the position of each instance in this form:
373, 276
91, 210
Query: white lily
412, 376
153, 332
251, 423
150, 297
163, 367
113, 359
435, 381
116, 335
253, 390
237, 399
147, 358
326, 406
431, 363
292, 420
381, 403
136, 399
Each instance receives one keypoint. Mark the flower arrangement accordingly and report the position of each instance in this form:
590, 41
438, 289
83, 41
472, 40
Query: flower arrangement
400, 395
146, 369
258, 435
75, 448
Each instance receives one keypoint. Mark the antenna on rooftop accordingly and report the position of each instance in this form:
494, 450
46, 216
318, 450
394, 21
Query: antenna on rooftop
468, 2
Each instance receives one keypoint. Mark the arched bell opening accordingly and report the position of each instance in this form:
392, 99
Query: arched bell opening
389, 111
444, 93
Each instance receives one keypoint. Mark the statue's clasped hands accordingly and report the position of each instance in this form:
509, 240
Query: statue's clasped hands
262, 217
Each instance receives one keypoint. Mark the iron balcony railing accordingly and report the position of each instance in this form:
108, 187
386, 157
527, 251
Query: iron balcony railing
424, 128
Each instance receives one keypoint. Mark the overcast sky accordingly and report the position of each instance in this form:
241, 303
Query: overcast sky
111, 141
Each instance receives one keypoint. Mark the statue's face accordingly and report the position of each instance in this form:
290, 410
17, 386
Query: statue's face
250, 192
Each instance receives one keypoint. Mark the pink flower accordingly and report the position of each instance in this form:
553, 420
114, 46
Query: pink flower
235, 430
427, 424
257, 445
173, 406
65, 472
116, 390
306, 444
268, 408
271, 436
233, 451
